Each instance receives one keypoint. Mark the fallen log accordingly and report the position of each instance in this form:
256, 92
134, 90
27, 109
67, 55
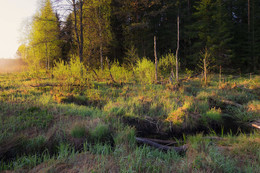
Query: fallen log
161, 147
53, 85
166, 142
193, 76
226, 102
256, 124
44, 85
231, 103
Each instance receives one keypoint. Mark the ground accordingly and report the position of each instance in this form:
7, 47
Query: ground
52, 125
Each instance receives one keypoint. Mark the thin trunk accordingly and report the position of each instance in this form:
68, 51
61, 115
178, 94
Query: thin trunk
155, 57
249, 32
75, 25
253, 37
101, 44
248, 15
81, 32
110, 71
101, 56
46, 55
205, 70
178, 46
220, 75
188, 7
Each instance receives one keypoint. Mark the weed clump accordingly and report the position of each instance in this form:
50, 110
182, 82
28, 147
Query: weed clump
78, 131
100, 134
145, 71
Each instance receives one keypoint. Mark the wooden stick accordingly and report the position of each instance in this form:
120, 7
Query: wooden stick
231, 103
256, 126
161, 147
167, 142
110, 71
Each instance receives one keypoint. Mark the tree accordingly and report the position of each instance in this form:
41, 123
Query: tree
97, 30
44, 36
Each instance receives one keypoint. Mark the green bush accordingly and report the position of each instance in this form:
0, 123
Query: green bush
100, 133
166, 63
145, 70
126, 136
120, 73
78, 131
72, 72
213, 114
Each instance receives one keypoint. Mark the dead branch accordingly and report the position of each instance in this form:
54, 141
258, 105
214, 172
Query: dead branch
110, 71
227, 102
256, 124
161, 147
193, 76
95, 74
166, 142
231, 103
52, 85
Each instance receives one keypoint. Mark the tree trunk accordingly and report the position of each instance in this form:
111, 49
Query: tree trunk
101, 44
178, 46
76, 22
248, 15
205, 70
47, 58
76, 28
101, 56
220, 75
81, 32
253, 37
155, 57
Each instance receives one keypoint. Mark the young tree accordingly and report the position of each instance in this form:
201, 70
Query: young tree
44, 36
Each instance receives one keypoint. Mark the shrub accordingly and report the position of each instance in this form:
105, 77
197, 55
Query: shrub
213, 114
145, 70
166, 64
72, 72
100, 133
78, 131
120, 73
126, 136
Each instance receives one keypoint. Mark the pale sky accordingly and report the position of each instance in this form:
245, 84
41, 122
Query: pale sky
12, 15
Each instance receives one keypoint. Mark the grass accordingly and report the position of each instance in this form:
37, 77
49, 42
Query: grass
92, 126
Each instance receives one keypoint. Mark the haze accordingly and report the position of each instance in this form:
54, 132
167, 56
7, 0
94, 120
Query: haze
12, 14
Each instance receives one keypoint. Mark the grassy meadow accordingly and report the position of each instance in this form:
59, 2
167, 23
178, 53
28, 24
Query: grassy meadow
58, 122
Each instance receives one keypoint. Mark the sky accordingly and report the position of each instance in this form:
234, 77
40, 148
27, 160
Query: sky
13, 15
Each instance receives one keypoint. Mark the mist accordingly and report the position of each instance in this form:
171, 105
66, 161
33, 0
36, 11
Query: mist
11, 65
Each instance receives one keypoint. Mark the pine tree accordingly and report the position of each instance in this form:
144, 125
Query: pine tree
211, 30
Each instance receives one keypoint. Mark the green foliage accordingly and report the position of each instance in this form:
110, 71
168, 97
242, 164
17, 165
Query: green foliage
78, 131
64, 151
97, 31
111, 144
36, 144
166, 64
120, 73
145, 70
44, 38
100, 133
213, 114
71, 73
131, 56
126, 136
103, 149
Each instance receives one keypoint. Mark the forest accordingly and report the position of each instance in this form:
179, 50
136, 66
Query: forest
134, 86
124, 31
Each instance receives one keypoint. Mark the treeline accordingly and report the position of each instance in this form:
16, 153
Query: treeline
124, 31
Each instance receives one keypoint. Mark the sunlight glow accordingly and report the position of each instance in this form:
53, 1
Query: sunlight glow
12, 15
